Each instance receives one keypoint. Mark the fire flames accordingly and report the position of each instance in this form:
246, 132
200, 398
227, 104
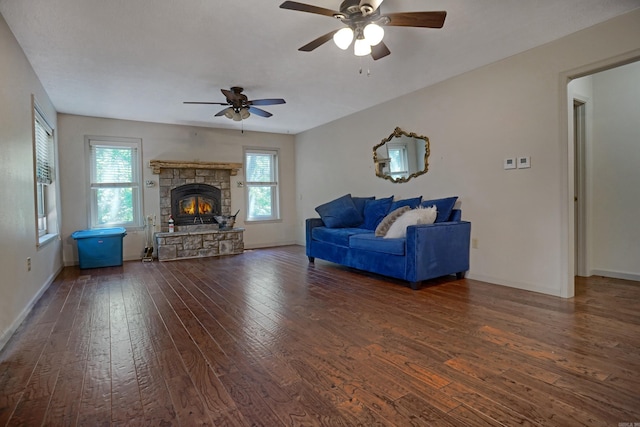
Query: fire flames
188, 206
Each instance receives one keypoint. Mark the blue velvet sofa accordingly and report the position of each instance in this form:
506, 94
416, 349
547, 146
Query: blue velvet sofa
346, 236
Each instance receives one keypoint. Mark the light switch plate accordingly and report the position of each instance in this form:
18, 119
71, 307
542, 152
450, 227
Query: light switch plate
524, 162
510, 163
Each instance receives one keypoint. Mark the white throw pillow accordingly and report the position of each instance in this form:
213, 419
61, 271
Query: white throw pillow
419, 215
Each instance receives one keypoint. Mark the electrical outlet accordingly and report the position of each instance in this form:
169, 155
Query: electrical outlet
29, 264
474, 243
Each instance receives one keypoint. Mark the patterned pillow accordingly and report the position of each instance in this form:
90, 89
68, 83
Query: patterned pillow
415, 216
383, 227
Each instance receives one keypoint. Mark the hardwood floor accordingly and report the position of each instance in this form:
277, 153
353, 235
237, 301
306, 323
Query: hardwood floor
264, 338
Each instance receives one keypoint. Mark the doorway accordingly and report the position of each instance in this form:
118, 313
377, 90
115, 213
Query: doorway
602, 167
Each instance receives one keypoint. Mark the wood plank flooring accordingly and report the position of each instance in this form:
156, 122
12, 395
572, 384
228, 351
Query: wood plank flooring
266, 339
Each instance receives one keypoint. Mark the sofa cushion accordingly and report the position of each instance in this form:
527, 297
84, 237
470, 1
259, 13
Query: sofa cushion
384, 225
336, 236
359, 203
369, 242
375, 211
419, 215
444, 207
339, 213
412, 203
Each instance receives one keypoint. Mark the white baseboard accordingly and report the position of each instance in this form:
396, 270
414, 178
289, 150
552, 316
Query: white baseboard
6, 335
616, 275
517, 285
269, 245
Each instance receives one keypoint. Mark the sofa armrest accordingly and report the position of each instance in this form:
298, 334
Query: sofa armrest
310, 224
439, 249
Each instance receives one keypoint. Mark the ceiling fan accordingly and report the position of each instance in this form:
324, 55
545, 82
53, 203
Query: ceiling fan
364, 22
239, 106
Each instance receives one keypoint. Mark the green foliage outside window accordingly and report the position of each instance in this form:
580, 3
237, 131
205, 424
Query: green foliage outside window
114, 174
261, 184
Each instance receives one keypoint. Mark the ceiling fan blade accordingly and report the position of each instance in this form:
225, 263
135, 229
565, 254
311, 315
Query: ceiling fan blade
208, 103
221, 113
301, 7
259, 112
272, 101
317, 42
379, 51
417, 19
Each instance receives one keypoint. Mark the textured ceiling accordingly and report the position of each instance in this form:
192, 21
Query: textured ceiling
139, 59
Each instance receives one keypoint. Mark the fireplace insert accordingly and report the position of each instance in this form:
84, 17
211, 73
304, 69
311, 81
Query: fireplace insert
195, 204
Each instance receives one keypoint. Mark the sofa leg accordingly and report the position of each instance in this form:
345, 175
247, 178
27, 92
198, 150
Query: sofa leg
460, 275
414, 285
311, 259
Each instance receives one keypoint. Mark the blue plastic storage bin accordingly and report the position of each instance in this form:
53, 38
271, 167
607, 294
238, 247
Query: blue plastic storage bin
100, 247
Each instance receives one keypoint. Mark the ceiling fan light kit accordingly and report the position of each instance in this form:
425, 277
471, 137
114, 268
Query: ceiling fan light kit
237, 115
373, 34
364, 23
343, 38
361, 47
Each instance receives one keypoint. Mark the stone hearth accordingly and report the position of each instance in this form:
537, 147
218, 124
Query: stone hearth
199, 244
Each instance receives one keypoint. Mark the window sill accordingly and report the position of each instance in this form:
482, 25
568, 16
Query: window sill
46, 239
261, 221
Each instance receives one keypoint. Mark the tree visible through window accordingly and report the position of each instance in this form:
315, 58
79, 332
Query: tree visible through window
114, 182
261, 184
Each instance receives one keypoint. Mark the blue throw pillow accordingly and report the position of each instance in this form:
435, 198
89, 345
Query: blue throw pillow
444, 207
375, 211
340, 213
412, 203
360, 201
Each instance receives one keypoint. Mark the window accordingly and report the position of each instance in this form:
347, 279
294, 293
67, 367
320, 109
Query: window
114, 182
44, 177
261, 184
399, 164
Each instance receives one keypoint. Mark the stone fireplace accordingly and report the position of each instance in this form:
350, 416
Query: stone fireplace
193, 192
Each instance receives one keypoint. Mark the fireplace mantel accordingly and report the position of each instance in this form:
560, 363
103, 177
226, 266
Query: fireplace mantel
156, 165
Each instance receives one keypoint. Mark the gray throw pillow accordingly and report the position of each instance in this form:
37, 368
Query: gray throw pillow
385, 224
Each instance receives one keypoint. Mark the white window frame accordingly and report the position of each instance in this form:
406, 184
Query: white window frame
403, 170
274, 185
135, 185
44, 176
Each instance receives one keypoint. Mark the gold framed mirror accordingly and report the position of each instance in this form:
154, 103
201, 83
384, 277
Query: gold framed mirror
401, 156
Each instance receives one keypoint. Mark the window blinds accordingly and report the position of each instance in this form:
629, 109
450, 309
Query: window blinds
113, 165
43, 136
260, 167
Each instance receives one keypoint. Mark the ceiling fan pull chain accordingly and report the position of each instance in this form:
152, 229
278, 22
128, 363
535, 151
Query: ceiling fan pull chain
368, 72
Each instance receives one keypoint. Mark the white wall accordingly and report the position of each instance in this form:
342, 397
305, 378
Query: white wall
170, 142
615, 170
20, 288
515, 107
